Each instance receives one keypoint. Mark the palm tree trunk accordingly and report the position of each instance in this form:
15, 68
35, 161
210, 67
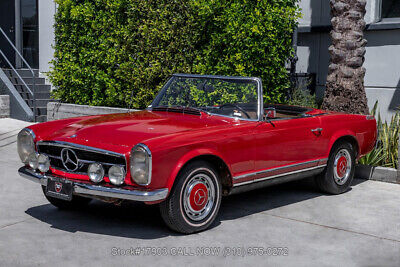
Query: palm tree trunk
345, 82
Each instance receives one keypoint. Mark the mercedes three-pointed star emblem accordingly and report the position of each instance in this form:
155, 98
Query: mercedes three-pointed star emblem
69, 159
200, 197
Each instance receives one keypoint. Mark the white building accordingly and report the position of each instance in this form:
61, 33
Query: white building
27, 29
382, 59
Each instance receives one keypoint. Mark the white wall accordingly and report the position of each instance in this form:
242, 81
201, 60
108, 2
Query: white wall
317, 12
382, 59
47, 9
382, 63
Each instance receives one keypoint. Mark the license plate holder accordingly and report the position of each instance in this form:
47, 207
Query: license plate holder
59, 188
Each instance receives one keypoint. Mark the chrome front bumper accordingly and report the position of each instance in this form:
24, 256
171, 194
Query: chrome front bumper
98, 190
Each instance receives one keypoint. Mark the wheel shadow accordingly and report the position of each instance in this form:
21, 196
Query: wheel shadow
137, 220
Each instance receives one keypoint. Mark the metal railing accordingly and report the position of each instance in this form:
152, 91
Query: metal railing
31, 92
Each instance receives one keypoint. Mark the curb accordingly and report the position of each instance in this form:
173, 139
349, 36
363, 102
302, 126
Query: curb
382, 174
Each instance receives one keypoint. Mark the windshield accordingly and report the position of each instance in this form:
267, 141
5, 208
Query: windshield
233, 97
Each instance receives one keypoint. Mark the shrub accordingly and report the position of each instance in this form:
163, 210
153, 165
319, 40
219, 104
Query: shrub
303, 98
107, 50
386, 152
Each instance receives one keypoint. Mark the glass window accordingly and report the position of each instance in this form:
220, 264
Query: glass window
390, 9
30, 32
234, 97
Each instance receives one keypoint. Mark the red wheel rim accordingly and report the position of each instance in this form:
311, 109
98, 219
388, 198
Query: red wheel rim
341, 166
198, 197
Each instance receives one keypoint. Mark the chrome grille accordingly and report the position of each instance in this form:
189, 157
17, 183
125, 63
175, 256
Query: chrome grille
85, 155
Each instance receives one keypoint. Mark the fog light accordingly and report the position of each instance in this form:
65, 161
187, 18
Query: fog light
33, 161
43, 163
96, 172
116, 174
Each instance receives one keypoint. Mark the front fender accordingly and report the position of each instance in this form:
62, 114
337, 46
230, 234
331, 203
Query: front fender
188, 157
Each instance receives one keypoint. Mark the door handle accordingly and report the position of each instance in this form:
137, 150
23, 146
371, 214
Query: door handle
317, 131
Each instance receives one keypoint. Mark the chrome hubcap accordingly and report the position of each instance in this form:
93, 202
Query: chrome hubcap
342, 166
198, 197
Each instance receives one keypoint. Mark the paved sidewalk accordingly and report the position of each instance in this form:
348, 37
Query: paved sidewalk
358, 228
9, 129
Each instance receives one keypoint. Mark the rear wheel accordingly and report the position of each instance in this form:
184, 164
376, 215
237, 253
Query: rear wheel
75, 203
339, 172
195, 199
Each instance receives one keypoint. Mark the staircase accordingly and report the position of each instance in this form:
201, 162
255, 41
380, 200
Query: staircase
42, 90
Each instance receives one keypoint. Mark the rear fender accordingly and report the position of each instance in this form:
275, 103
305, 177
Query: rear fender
343, 133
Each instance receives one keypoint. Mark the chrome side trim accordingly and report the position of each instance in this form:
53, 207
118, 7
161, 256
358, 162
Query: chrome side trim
278, 175
98, 190
278, 168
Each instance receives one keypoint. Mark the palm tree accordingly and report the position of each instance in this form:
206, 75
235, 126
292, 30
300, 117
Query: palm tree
345, 83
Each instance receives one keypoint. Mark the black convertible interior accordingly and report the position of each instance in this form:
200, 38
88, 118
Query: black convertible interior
249, 111
284, 111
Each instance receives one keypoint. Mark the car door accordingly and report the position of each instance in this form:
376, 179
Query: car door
288, 145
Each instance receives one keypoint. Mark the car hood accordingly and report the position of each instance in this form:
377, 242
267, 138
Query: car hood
128, 129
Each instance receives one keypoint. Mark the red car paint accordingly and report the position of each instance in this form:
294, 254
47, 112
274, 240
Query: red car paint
248, 148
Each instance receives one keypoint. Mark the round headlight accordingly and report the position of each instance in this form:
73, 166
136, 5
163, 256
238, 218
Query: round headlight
96, 172
33, 161
116, 174
43, 163
140, 164
25, 144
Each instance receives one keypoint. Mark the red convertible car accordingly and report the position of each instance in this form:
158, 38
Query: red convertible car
203, 137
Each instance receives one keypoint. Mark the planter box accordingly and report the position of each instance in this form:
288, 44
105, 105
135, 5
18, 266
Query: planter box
382, 174
56, 111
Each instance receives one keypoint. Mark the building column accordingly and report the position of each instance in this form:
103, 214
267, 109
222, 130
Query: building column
46, 11
18, 33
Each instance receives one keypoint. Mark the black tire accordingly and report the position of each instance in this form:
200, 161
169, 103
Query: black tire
330, 180
195, 198
76, 202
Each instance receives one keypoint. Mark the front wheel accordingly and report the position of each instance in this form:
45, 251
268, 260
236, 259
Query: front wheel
195, 199
339, 172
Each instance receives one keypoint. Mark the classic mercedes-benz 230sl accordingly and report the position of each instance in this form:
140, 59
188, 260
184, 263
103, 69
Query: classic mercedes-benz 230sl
203, 137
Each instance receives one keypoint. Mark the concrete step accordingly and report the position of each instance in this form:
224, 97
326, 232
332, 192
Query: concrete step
27, 80
39, 88
21, 72
41, 111
39, 95
43, 95
39, 102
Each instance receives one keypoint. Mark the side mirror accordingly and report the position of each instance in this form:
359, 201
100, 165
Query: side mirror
270, 113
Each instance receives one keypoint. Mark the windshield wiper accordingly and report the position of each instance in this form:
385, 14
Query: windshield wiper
183, 108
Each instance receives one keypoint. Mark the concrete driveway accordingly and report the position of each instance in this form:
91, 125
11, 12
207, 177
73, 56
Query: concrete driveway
358, 228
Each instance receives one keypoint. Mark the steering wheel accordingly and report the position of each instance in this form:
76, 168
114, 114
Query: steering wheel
236, 106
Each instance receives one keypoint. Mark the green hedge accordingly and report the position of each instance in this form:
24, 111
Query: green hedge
105, 50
